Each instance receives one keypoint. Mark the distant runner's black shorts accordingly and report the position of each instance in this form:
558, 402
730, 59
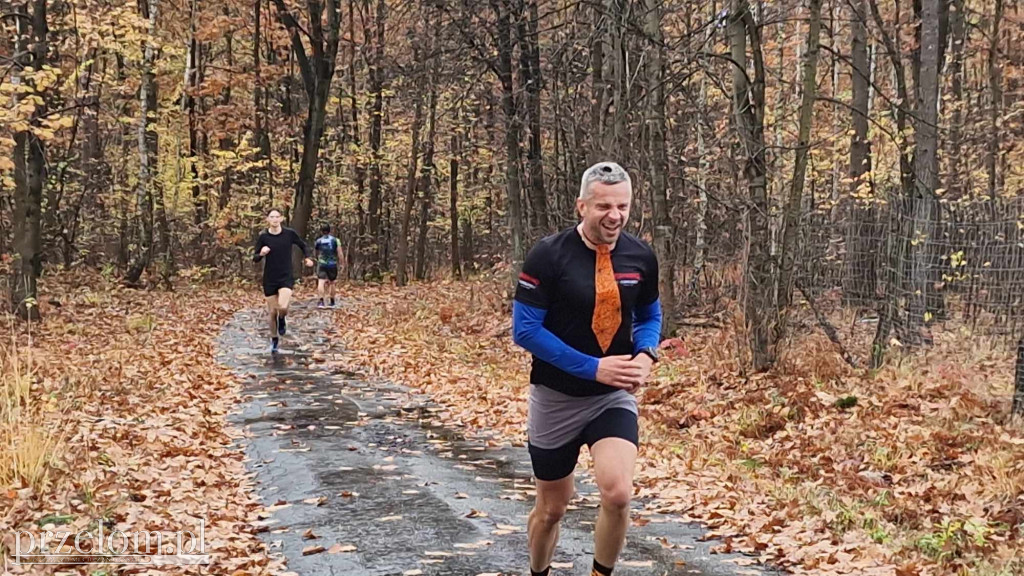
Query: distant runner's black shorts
327, 273
557, 463
271, 288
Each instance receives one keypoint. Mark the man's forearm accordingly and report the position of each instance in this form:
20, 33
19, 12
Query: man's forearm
530, 333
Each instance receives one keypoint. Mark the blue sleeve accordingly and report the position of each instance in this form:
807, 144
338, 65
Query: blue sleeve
647, 325
529, 332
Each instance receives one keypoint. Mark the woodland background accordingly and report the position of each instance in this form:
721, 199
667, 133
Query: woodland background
833, 188
862, 150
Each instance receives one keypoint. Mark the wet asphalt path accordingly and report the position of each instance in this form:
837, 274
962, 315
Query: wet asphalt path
357, 468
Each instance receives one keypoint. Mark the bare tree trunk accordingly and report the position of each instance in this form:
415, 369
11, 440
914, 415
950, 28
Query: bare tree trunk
426, 184
701, 228
956, 184
599, 86
317, 71
376, 140
760, 306
925, 206
512, 131
148, 149
529, 47
31, 44
456, 152
659, 164
995, 83
226, 142
618, 12
859, 277
191, 85
900, 225
794, 203
357, 144
410, 185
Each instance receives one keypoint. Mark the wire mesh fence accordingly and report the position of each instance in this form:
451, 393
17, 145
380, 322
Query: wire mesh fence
914, 268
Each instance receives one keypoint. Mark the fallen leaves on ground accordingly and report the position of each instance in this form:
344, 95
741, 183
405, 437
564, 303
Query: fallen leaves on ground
814, 467
131, 379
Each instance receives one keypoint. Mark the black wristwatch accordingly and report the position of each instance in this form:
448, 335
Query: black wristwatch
650, 351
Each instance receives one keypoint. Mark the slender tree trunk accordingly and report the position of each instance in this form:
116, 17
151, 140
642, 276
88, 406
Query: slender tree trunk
659, 164
456, 152
410, 186
995, 84
794, 203
148, 149
859, 277
618, 12
925, 207
512, 131
599, 86
226, 143
900, 225
426, 184
760, 306
191, 86
955, 183
317, 71
31, 43
357, 144
529, 47
376, 136
701, 228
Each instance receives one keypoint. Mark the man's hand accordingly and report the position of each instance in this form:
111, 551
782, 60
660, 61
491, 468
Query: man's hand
265, 250
308, 262
620, 372
645, 363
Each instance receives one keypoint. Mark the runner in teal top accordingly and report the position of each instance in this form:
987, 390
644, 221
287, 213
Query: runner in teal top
328, 251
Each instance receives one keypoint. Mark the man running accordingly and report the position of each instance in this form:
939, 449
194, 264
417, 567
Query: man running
275, 243
587, 308
328, 254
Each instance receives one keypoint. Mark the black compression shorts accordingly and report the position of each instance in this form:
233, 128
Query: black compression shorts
271, 288
327, 273
557, 463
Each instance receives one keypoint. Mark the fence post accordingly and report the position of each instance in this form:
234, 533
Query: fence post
1018, 381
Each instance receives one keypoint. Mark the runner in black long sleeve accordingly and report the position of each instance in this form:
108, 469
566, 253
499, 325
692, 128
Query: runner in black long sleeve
275, 244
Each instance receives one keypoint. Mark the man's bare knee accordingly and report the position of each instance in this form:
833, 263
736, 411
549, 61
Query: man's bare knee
616, 497
549, 515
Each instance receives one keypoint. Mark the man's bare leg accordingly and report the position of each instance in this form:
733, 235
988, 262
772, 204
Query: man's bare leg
272, 318
284, 298
614, 459
542, 528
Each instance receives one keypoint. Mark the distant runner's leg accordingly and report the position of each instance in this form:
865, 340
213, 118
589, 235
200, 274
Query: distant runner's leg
272, 316
321, 280
284, 297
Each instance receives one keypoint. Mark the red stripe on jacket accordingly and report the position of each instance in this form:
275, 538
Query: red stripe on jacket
528, 278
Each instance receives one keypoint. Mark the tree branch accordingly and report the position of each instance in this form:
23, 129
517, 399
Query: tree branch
289, 22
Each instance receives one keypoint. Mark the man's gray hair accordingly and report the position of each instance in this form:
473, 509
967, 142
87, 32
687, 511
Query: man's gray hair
605, 173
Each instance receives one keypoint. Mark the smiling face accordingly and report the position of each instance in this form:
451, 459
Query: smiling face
605, 210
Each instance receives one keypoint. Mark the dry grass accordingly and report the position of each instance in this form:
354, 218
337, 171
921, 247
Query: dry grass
28, 446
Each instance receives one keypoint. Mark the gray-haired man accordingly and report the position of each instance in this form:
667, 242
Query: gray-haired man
587, 308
